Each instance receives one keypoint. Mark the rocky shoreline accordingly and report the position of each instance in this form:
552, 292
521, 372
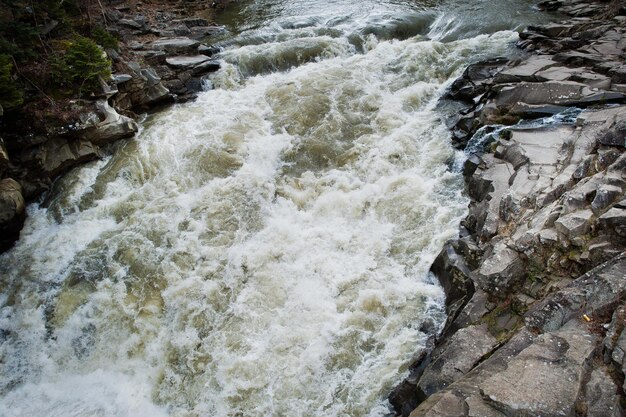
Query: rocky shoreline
536, 281
162, 58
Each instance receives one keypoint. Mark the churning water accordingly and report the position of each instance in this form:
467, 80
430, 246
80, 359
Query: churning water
264, 250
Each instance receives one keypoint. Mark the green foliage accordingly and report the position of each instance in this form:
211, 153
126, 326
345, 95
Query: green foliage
24, 25
104, 38
82, 64
10, 93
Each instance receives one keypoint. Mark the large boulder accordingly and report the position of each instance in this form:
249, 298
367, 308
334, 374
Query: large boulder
12, 212
112, 126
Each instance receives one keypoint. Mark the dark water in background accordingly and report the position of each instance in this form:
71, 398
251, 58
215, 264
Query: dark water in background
264, 250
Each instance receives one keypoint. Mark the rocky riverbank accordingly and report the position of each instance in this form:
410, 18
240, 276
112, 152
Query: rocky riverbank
164, 53
536, 281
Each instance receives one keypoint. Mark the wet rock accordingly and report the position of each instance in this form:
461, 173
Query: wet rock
556, 360
563, 93
471, 83
205, 67
58, 155
208, 50
12, 212
454, 276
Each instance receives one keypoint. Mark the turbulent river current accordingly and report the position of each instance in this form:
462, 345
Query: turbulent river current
264, 250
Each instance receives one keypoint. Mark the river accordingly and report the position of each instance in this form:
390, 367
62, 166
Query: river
264, 250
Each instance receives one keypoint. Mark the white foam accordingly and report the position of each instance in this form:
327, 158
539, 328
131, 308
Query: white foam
263, 250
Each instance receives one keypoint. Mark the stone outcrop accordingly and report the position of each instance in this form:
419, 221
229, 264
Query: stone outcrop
161, 59
536, 281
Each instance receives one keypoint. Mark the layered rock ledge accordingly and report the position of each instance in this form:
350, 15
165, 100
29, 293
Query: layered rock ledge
163, 57
536, 281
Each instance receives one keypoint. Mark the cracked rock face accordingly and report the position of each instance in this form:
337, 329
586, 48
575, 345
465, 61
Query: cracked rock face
537, 320
556, 360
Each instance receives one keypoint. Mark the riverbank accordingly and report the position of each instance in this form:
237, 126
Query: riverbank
535, 282
162, 55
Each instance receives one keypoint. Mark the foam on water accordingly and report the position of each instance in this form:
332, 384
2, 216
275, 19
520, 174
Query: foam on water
261, 251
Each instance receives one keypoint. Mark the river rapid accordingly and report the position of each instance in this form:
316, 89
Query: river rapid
264, 250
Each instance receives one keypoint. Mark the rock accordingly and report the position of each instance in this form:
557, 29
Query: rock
501, 270
205, 67
208, 50
453, 275
121, 78
174, 44
112, 127
12, 212
181, 30
575, 224
594, 291
526, 71
130, 23
470, 84
562, 93
447, 405
605, 197
616, 136
556, 360
614, 220
186, 62
601, 395
4, 157
195, 22
58, 155
470, 165
456, 357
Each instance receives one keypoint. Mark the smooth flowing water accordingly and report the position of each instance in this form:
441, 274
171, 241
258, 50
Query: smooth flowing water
262, 251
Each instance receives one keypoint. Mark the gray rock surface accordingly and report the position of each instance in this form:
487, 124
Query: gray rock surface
12, 212
187, 62
544, 281
545, 378
457, 357
179, 44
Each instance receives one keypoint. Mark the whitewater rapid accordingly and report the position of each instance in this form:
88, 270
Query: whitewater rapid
261, 251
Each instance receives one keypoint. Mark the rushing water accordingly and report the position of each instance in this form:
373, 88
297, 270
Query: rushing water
264, 250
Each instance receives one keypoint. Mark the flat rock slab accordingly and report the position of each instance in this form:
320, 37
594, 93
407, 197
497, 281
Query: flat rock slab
464, 350
187, 62
561, 93
594, 291
174, 44
526, 71
545, 378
